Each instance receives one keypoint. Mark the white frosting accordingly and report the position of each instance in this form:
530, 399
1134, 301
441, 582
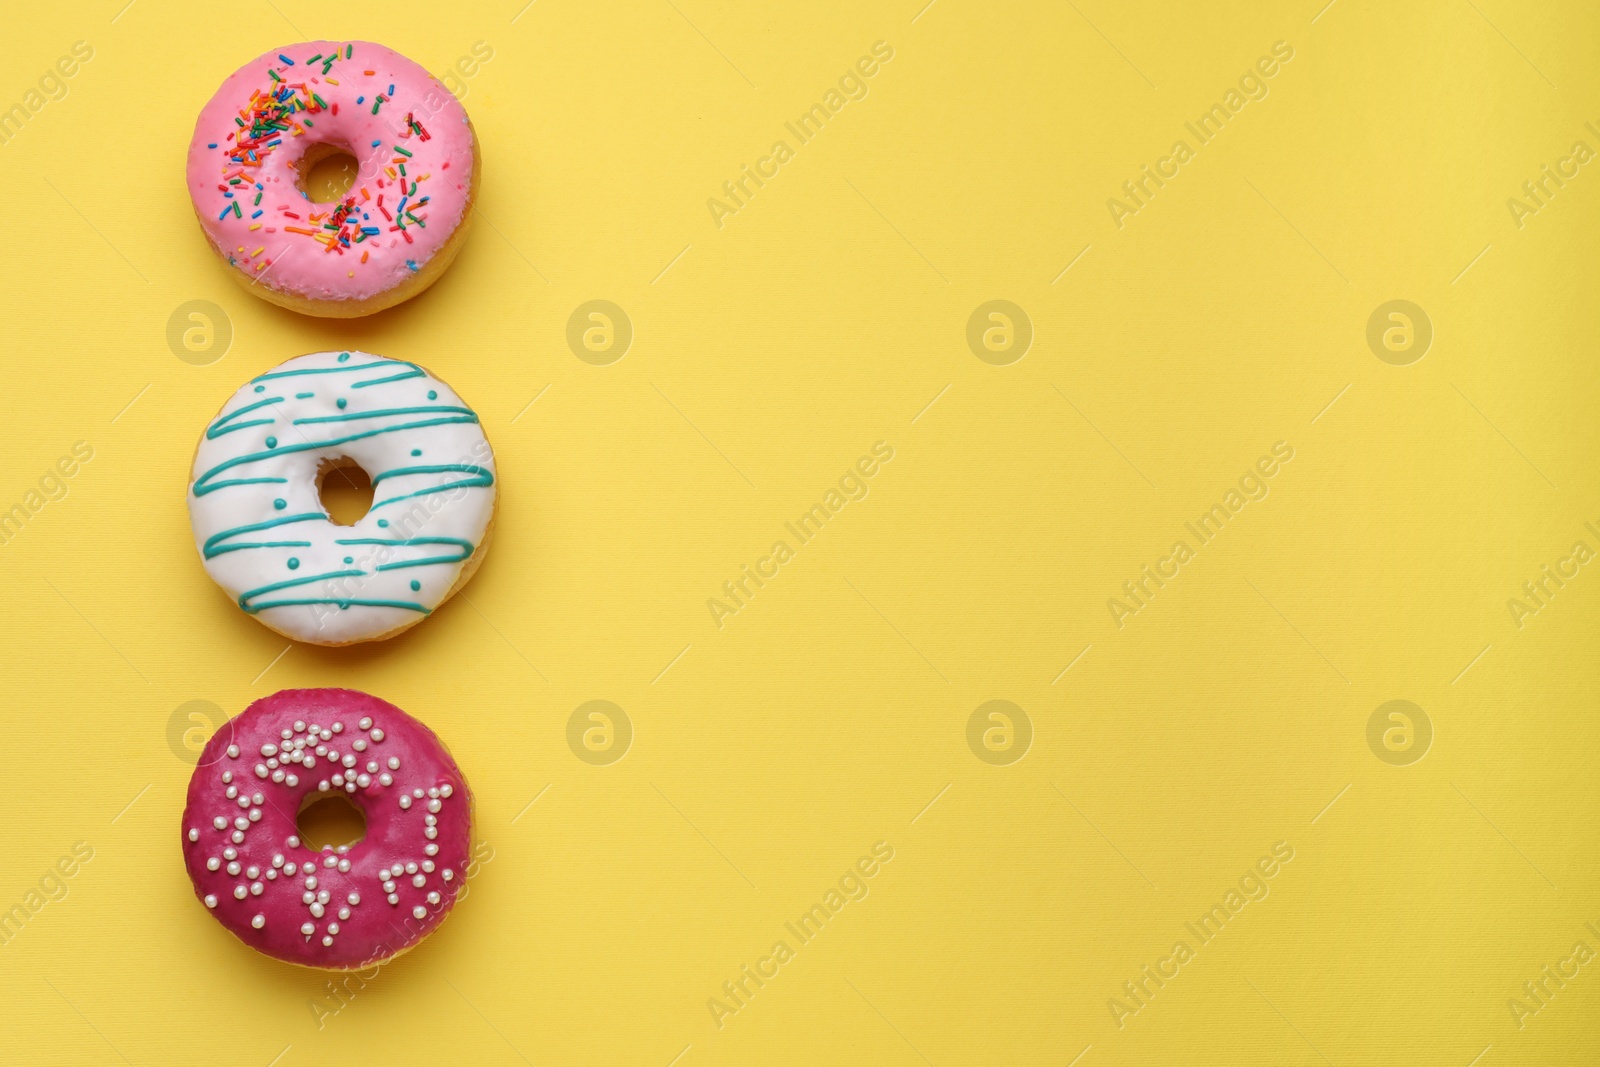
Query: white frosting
260, 525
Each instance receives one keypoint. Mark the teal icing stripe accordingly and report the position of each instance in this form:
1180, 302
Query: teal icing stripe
214, 547
415, 372
291, 583
337, 370
243, 481
230, 416
214, 432
481, 477
202, 487
432, 409
406, 604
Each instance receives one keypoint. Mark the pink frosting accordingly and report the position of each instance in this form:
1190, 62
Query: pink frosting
418, 124
246, 757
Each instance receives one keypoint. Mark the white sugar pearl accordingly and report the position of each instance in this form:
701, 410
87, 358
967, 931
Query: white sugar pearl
434, 898
269, 749
363, 780
240, 892
419, 880
232, 792
323, 786
344, 913
433, 794
353, 898
350, 785
272, 875
446, 790
377, 735
419, 794
299, 726
252, 871
359, 744
338, 779
194, 835
289, 869
237, 836
322, 896
447, 874
308, 897
272, 764
233, 751
431, 820
277, 776
241, 823
293, 841
293, 780
349, 760
211, 900
386, 779
259, 921
394, 763
220, 823
411, 868
405, 802
256, 889
311, 882
344, 866
230, 853
333, 928
430, 832
430, 849
308, 929
233, 868
338, 727
435, 804
330, 860
419, 912
255, 814
316, 910
213, 863
365, 723
427, 865
388, 887
261, 770
327, 940
393, 899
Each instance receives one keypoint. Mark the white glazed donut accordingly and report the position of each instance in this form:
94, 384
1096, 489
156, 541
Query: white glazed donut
264, 535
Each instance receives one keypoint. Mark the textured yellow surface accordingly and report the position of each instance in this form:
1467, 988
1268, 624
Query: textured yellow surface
1215, 740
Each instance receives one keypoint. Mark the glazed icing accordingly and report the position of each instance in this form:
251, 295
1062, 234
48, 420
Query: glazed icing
409, 135
337, 908
258, 519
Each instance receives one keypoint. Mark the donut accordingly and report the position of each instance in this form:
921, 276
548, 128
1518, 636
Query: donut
264, 536
338, 908
401, 222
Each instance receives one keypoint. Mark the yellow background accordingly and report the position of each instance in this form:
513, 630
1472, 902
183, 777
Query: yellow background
831, 713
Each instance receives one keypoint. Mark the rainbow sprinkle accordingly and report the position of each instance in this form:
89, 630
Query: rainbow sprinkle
284, 109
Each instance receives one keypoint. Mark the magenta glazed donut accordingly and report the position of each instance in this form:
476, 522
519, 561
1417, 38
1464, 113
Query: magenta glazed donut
401, 222
339, 908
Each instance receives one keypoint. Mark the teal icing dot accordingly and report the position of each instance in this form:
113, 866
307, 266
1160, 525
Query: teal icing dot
416, 451
294, 564
343, 357
272, 442
280, 503
342, 402
432, 395
383, 522
261, 388
349, 559
415, 585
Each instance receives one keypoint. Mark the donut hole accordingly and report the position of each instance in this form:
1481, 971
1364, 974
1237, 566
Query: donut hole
330, 821
327, 171
345, 490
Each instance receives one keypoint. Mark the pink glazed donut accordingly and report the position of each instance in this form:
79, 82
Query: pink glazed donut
401, 222
339, 908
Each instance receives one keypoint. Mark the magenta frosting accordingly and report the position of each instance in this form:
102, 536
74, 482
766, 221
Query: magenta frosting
375, 929
416, 114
